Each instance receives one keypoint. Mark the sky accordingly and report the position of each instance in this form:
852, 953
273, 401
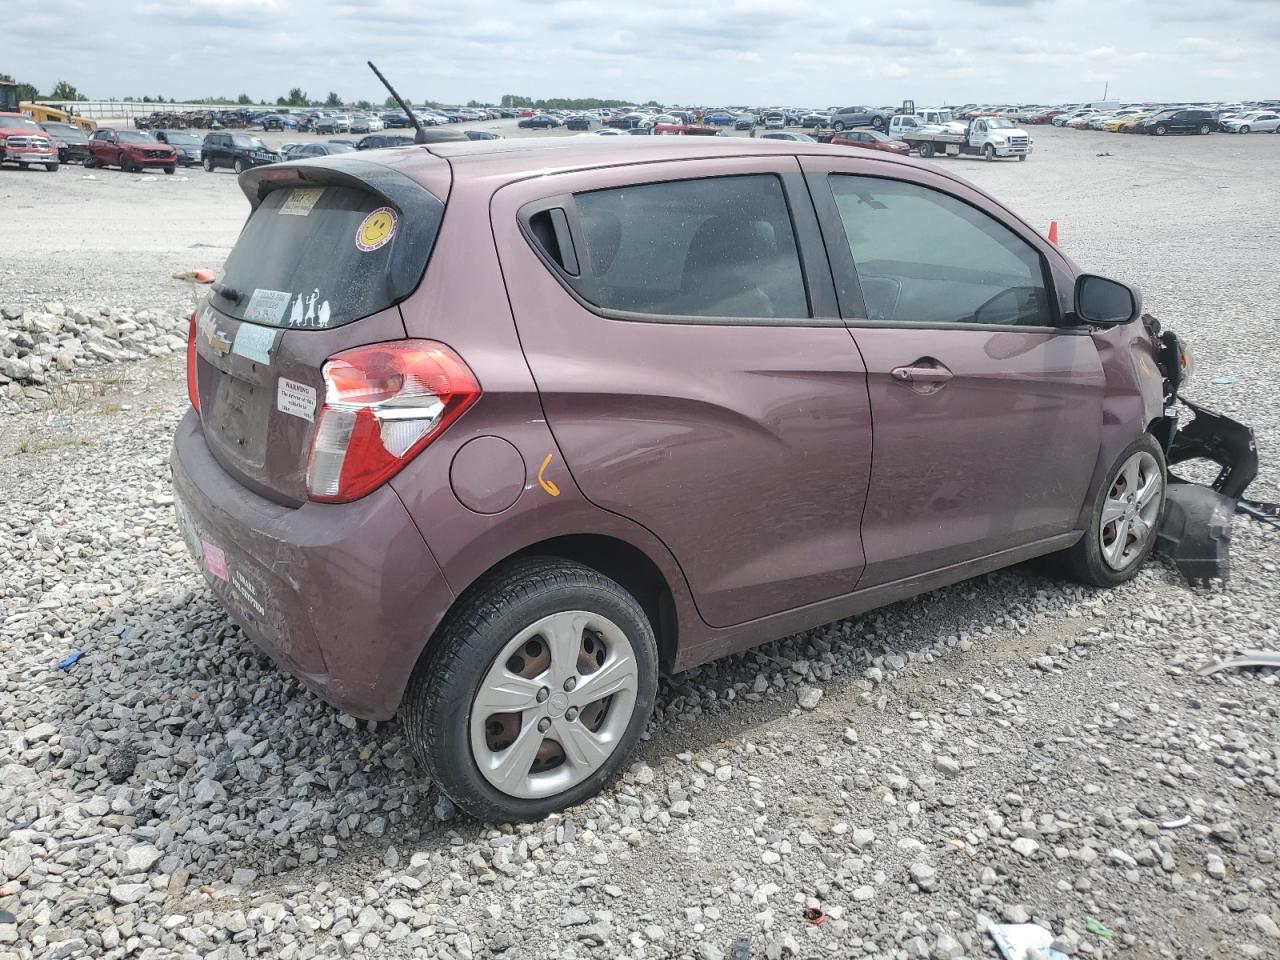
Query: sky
712, 52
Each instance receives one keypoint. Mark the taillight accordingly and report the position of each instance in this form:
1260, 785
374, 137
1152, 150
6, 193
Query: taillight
193, 390
383, 404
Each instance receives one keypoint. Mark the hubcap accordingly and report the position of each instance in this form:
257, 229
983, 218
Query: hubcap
1130, 511
555, 703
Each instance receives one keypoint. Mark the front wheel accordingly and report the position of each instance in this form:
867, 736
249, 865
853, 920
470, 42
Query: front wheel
207, 163
1246, 129
51, 167
169, 170
533, 691
1022, 156
1161, 130
1122, 525
238, 166
989, 152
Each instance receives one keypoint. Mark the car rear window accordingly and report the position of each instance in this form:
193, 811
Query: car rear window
316, 257
717, 247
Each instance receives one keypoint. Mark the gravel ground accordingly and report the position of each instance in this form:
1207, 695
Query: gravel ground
1011, 749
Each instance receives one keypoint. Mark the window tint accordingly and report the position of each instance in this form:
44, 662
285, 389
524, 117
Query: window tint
718, 247
923, 255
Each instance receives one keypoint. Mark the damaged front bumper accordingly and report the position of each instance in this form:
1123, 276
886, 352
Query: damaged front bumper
1195, 530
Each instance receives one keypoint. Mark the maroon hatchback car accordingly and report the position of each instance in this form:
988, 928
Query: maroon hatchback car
491, 434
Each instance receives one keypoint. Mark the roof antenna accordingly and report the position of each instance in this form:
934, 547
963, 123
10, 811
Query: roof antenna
420, 135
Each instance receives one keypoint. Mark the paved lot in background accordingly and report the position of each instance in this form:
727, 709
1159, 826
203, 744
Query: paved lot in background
1011, 748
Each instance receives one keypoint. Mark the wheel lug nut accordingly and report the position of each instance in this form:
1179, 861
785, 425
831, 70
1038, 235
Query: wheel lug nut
571, 713
571, 683
544, 724
543, 694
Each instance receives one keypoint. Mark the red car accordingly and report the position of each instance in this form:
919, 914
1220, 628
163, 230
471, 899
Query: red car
870, 140
24, 142
129, 150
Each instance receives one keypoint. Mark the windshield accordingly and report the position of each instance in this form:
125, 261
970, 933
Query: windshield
19, 123
1000, 123
248, 143
66, 131
182, 139
132, 136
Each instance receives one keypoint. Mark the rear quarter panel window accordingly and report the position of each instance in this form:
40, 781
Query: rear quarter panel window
717, 247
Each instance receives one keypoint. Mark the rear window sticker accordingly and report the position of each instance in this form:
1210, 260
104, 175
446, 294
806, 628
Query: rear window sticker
254, 343
296, 399
267, 306
215, 560
377, 229
300, 201
305, 313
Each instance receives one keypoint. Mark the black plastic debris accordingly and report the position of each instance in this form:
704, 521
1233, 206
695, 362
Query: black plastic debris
1195, 532
121, 762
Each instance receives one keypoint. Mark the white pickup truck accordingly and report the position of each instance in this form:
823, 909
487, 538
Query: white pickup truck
932, 117
988, 137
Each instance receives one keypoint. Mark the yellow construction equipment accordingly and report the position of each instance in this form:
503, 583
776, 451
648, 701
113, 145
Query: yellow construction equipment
41, 114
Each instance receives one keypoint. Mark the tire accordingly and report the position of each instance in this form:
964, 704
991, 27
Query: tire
89, 162
1244, 129
926, 150
51, 167
169, 170
452, 741
877, 122
988, 152
838, 126
1021, 157
207, 163
1204, 129
1092, 560
22, 166
1161, 130
239, 166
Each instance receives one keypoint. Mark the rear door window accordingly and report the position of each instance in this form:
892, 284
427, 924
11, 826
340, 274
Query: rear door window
713, 247
321, 256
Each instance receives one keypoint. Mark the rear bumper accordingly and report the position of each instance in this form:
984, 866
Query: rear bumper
342, 596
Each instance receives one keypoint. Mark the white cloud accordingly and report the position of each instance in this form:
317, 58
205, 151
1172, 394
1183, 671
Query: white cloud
803, 52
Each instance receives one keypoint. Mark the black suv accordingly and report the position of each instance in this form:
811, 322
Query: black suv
1179, 121
239, 151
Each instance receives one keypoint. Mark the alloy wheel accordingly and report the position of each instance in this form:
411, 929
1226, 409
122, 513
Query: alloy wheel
554, 704
1131, 510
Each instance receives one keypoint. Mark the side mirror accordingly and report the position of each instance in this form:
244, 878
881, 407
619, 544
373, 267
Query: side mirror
1105, 303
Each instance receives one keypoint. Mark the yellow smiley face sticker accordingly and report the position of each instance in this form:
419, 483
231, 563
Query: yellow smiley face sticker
377, 229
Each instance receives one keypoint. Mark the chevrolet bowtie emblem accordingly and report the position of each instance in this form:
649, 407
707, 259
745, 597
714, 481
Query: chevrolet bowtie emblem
218, 340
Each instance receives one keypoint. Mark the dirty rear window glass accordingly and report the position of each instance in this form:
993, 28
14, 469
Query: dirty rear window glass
320, 256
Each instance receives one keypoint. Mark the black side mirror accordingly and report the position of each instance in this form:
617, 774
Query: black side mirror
1105, 303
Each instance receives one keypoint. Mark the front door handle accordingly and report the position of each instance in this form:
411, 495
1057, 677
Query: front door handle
922, 373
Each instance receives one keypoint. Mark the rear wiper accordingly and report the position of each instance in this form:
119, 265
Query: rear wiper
226, 292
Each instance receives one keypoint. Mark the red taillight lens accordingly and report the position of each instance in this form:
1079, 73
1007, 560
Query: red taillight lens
383, 404
193, 390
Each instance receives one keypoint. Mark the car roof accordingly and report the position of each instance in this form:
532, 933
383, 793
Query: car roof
519, 157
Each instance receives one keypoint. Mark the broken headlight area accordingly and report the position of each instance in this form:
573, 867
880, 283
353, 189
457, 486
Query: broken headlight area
1195, 530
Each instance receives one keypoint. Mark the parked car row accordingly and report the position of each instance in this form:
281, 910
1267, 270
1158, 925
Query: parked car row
1161, 119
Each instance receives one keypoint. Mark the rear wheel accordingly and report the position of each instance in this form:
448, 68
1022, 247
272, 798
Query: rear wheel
51, 167
877, 122
169, 170
838, 125
533, 691
1122, 525
926, 150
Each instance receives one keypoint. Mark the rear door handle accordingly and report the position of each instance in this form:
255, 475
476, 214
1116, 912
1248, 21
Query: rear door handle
921, 374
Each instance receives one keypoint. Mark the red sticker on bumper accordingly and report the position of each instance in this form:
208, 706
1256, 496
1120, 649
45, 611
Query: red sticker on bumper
215, 560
